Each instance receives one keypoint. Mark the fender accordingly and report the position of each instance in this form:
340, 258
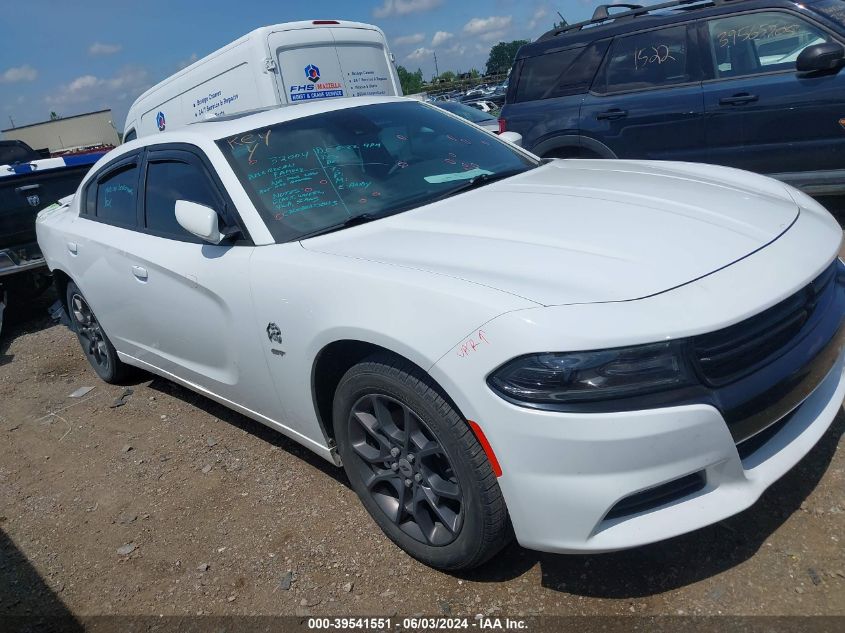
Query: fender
574, 141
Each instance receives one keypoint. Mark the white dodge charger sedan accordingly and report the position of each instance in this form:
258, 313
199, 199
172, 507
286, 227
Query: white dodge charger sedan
588, 355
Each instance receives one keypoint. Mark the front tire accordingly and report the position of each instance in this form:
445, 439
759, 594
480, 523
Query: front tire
95, 343
416, 465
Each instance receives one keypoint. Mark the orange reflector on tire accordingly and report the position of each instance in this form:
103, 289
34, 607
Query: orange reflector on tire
488, 450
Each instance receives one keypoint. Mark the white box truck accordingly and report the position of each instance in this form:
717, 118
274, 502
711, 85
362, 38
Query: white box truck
269, 67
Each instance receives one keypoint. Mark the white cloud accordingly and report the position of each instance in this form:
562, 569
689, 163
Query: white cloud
538, 16
404, 7
440, 37
18, 73
416, 38
420, 53
495, 23
457, 49
127, 84
492, 36
98, 48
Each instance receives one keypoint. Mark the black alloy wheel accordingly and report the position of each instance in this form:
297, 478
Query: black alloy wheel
405, 469
416, 465
95, 342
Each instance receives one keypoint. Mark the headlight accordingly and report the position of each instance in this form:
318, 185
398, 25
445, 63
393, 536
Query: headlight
559, 378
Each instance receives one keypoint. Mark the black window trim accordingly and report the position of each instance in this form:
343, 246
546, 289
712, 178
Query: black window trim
228, 213
709, 69
692, 41
106, 171
157, 155
140, 157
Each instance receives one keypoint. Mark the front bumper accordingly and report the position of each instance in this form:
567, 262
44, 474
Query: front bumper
568, 478
566, 472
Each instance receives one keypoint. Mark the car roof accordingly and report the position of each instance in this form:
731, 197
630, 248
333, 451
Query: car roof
646, 17
215, 129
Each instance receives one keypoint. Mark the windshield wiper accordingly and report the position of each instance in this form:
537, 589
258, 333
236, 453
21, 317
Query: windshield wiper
478, 181
355, 220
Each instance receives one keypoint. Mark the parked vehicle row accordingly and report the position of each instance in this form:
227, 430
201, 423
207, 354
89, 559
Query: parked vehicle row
753, 84
588, 355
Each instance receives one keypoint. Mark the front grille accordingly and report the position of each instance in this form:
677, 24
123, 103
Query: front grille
736, 351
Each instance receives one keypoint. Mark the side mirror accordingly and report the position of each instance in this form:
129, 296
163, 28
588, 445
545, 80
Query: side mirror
514, 138
820, 57
199, 220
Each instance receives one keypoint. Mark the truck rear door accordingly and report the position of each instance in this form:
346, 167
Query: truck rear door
310, 66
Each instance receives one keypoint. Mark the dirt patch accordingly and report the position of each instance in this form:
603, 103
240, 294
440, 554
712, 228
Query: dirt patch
172, 504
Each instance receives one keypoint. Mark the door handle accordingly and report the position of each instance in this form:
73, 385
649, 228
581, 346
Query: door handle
73, 248
614, 113
25, 188
140, 273
739, 99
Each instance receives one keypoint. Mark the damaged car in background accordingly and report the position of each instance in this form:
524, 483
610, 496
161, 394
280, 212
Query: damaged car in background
587, 355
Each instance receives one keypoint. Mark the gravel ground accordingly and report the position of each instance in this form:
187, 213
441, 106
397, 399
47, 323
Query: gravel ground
171, 504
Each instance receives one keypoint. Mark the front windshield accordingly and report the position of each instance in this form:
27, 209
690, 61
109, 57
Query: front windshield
833, 9
307, 175
468, 112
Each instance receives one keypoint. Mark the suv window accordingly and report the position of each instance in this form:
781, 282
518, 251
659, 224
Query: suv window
559, 73
117, 195
646, 60
169, 181
759, 43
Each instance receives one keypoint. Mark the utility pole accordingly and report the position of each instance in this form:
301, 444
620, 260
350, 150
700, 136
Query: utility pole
436, 70
12, 120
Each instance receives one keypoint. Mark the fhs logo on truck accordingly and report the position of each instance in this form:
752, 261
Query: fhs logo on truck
312, 73
315, 90
160, 122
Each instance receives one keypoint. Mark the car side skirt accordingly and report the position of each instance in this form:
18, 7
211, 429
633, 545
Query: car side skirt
329, 454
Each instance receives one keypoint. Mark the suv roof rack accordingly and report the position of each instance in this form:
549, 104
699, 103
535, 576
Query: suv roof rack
603, 14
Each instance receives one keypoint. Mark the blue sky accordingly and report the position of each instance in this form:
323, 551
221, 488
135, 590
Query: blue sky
77, 56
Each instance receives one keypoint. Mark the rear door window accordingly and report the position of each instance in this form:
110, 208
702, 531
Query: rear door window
117, 196
646, 60
762, 42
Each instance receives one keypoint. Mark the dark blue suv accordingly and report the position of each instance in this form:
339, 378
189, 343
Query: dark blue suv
754, 84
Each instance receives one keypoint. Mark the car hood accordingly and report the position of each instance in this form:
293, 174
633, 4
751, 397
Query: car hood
582, 231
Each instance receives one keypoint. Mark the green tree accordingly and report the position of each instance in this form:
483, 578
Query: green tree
502, 55
447, 76
411, 82
54, 116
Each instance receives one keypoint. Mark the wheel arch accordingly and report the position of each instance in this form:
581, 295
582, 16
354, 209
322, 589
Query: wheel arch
577, 144
333, 361
60, 280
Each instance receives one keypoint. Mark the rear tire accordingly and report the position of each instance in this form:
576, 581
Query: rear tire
416, 465
96, 346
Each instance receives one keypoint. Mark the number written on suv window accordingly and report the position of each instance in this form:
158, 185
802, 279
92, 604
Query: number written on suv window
646, 60
756, 43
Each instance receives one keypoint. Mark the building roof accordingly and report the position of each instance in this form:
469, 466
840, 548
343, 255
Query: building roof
64, 118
